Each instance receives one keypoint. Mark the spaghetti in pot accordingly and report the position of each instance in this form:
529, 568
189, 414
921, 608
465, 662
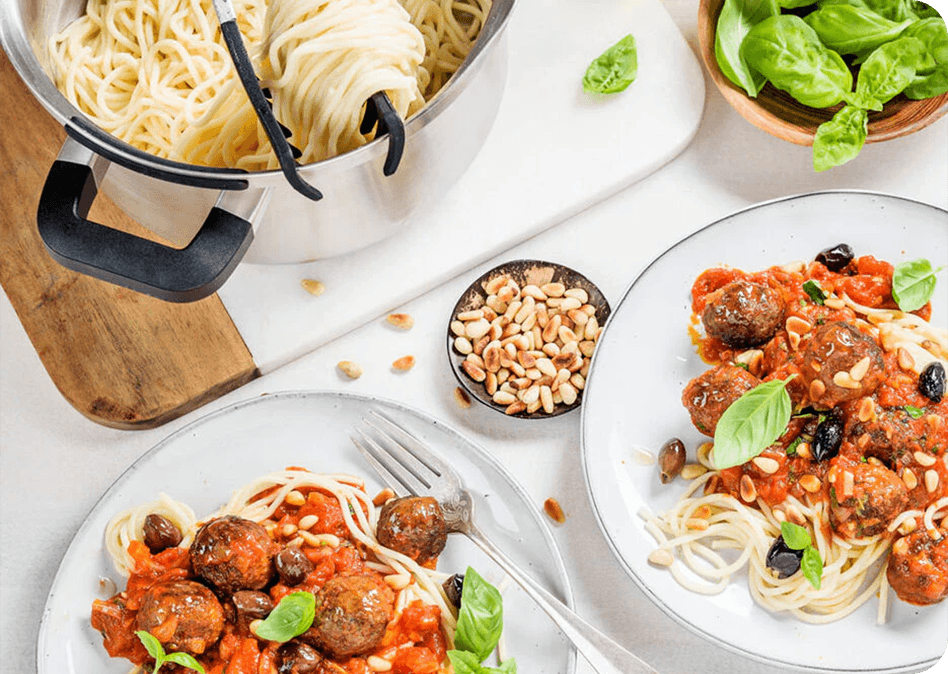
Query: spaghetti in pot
158, 76
329, 519
877, 510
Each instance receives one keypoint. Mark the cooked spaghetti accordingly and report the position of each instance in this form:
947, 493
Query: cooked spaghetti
378, 606
158, 76
862, 465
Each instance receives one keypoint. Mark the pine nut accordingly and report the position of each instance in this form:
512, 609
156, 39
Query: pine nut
577, 293
907, 527
525, 310
848, 484
553, 289
592, 329
461, 398
867, 410
661, 557
551, 331
931, 480
568, 392
515, 408
579, 317
810, 483
551, 349
859, 370
309, 521
529, 322
546, 399
578, 381
401, 321
534, 406
794, 339
517, 369
817, 389
692, 470
377, 664
747, 489
844, 380
473, 315
566, 335
474, 359
834, 303
804, 451
313, 287
404, 363
492, 356
295, 498
350, 369
477, 329
504, 398
704, 512
531, 395
766, 464
546, 366
798, 325
473, 371
900, 547
906, 359
795, 516
908, 477
925, 459
569, 304
490, 383
512, 309
398, 581
481, 344
493, 286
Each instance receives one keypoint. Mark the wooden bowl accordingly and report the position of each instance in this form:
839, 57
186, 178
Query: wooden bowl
777, 113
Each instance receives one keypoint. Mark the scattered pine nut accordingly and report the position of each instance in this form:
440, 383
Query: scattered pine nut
462, 398
313, 287
404, 364
350, 369
401, 321
553, 509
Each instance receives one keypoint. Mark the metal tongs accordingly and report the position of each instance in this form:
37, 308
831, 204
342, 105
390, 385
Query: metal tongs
378, 110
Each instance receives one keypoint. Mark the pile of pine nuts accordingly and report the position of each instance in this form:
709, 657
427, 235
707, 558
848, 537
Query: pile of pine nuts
530, 347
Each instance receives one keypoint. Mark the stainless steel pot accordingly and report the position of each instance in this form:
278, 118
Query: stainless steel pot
216, 217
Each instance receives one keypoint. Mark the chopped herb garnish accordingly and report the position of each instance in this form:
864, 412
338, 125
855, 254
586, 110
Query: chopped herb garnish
743, 365
792, 447
816, 293
914, 412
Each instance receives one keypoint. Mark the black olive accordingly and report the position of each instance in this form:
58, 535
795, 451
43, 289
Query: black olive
453, 587
298, 658
252, 604
783, 559
836, 257
931, 383
827, 439
160, 533
293, 566
671, 459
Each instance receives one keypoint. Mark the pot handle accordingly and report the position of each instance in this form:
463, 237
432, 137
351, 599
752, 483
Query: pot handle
175, 275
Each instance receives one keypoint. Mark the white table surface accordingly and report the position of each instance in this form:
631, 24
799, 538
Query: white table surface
54, 463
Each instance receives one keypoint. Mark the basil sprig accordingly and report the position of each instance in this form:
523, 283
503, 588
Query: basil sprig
291, 617
614, 70
816, 293
465, 662
913, 283
157, 651
752, 423
481, 617
798, 538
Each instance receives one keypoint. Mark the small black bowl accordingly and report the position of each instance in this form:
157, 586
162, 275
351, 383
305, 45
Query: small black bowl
523, 272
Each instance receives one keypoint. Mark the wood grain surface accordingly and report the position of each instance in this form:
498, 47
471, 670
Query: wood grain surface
120, 358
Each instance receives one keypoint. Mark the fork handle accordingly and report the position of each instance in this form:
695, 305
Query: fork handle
604, 654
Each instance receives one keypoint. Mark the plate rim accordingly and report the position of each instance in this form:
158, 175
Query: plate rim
585, 452
482, 453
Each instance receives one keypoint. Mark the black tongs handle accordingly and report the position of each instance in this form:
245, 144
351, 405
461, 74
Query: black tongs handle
379, 109
261, 106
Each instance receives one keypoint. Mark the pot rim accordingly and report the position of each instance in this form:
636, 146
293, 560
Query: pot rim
16, 45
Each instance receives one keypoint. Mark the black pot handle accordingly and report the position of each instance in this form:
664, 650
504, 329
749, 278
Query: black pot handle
174, 275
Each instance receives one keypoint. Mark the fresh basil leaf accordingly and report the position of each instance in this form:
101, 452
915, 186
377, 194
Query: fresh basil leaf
924, 11
812, 566
893, 10
795, 4
789, 53
914, 412
481, 617
185, 660
933, 84
465, 662
736, 19
152, 645
795, 536
840, 139
792, 447
889, 69
614, 70
291, 617
933, 35
752, 423
816, 293
850, 30
913, 283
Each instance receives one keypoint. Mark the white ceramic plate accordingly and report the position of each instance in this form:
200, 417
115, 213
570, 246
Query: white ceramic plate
202, 463
642, 363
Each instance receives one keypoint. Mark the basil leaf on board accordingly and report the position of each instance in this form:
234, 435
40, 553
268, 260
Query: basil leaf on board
914, 412
614, 70
815, 292
840, 139
752, 423
481, 617
736, 19
291, 617
185, 660
913, 283
789, 53
850, 30
933, 34
465, 662
812, 566
795, 536
889, 69
928, 86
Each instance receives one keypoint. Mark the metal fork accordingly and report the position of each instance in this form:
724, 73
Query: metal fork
406, 464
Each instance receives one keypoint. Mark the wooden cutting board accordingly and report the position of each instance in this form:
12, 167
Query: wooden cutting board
120, 358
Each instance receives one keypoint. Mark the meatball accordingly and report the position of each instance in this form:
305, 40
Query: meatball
233, 554
351, 615
708, 395
866, 497
839, 364
413, 526
182, 615
743, 314
918, 567
888, 436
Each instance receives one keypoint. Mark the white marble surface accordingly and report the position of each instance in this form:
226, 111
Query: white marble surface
54, 463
